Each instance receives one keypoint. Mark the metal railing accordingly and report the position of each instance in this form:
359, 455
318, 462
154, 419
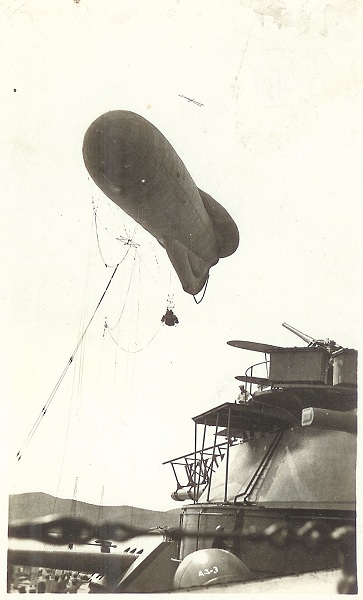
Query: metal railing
193, 471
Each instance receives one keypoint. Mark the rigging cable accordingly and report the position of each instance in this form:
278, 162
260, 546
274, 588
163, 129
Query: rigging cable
128, 242
11, 5
98, 242
70, 360
124, 305
204, 291
107, 327
77, 373
133, 351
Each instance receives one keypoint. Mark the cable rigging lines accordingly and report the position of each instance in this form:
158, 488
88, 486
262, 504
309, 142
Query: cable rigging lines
63, 374
131, 295
131, 246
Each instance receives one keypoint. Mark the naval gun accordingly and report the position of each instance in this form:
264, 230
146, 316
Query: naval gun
322, 363
312, 343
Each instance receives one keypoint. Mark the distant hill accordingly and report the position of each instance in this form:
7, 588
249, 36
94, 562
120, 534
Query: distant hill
36, 504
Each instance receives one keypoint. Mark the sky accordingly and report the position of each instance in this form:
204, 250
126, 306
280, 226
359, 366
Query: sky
276, 141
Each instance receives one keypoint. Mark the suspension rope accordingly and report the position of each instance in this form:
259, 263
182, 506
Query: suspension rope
98, 241
204, 291
133, 351
32, 431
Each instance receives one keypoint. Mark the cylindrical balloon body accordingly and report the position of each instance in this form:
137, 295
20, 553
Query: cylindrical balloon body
137, 168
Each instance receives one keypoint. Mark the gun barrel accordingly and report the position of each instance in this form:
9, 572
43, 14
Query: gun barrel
307, 338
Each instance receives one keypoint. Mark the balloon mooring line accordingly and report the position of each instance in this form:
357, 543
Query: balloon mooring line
57, 385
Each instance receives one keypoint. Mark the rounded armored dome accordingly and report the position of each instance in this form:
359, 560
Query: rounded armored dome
209, 566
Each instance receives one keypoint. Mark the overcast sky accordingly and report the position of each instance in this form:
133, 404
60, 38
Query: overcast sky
275, 142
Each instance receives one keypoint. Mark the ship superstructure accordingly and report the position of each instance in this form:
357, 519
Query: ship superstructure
268, 492
282, 455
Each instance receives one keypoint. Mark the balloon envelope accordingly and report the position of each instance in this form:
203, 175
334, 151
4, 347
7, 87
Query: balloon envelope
136, 167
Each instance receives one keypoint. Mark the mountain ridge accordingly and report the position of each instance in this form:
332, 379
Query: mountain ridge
32, 505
